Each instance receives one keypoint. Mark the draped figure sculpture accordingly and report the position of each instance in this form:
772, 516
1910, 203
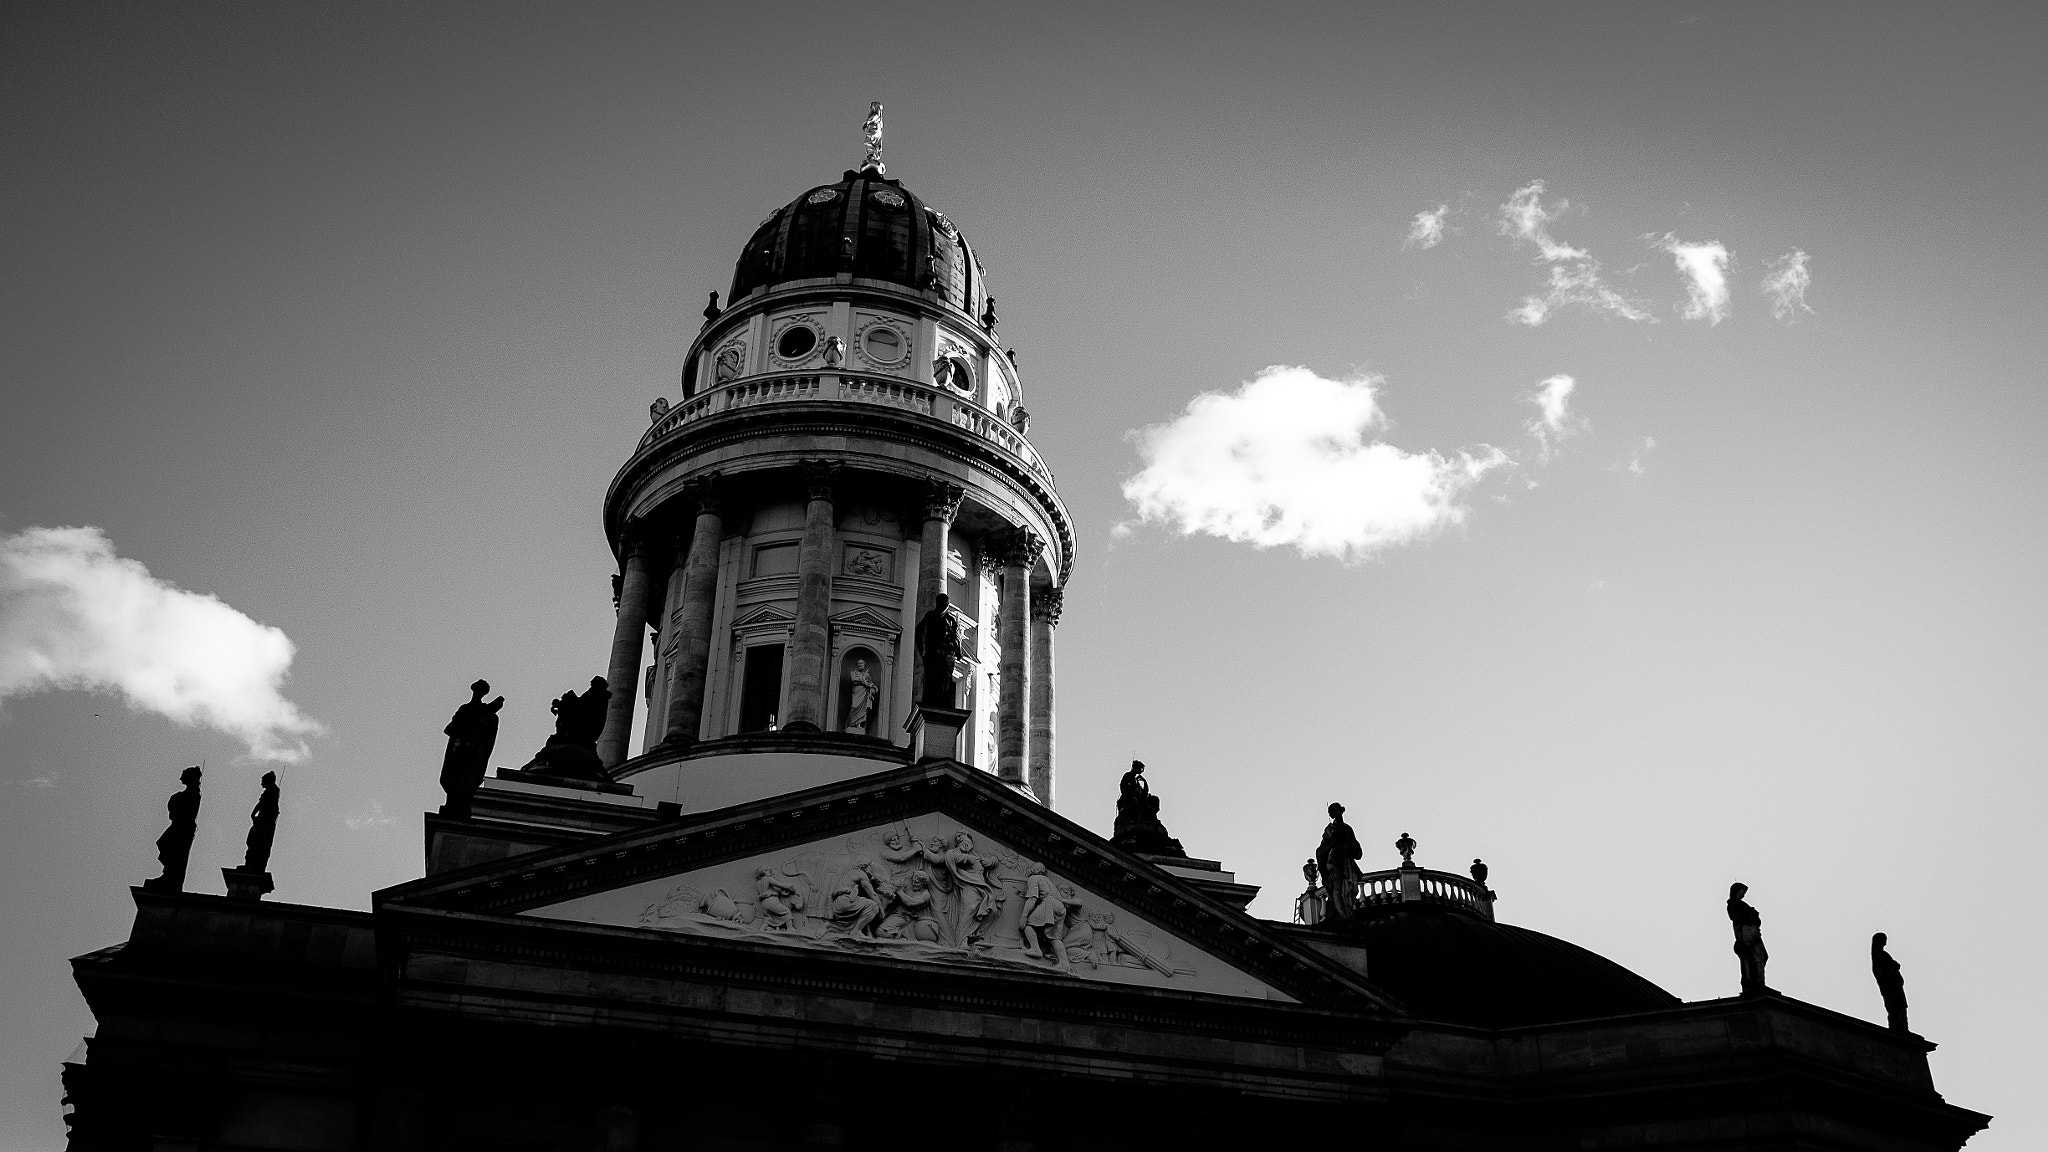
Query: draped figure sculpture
1337, 859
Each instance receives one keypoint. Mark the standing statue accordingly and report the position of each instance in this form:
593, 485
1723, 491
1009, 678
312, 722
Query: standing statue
1406, 847
1044, 917
862, 700
938, 644
1891, 983
1749, 940
1137, 817
471, 735
1337, 859
174, 847
579, 720
871, 129
262, 827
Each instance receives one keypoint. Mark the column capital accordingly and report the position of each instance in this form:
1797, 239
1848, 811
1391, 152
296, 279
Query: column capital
819, 477
1017, 546
637, 538
1045, 604
705, 493
942, 500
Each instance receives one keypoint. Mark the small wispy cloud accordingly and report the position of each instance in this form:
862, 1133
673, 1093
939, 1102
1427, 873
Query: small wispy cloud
1291, 459
1525, 220
40, 783
1705, 267
1427, 229
374, 817
1785, 286
1554, 420
75, 615
1580, 285
1636, 459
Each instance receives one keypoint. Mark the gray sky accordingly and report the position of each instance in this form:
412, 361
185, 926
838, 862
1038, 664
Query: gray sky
346, 315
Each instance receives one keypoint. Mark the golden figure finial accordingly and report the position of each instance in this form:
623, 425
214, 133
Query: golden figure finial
873, 131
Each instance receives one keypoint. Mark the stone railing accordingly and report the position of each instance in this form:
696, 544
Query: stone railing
1410, 885
903, 395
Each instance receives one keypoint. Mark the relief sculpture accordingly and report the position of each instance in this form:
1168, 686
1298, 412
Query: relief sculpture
930, 893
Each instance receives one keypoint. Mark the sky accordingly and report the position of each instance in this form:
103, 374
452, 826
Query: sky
1432, 440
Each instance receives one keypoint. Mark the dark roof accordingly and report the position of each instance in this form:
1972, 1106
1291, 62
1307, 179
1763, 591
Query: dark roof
870, 226
1458, 968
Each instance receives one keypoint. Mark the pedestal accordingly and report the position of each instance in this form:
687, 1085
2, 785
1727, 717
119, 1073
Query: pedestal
244, 885
935, 731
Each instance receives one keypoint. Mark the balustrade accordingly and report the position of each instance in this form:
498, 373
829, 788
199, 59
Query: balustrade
1402, 886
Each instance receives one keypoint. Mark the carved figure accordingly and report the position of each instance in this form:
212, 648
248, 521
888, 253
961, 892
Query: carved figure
910, 914
472, 733
726, 366
1137, 817
871, 129
872, 565
976, 876
1045, 917
857, 902
1891, 983
1337, 859
572, 750
777, 899
262, 827
174, 847
1749, 940
862, 702
1102, 941
938, 643
835, 351
1406, 847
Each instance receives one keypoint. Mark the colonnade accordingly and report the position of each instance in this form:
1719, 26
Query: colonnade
1024, 626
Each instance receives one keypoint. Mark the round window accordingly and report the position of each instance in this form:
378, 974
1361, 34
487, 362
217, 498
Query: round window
796, 342
823, 196
888, 198
884, 345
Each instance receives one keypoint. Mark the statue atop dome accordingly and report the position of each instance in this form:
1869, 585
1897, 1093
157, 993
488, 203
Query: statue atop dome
872, 129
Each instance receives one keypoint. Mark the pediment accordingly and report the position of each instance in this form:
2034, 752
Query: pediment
764, 614
865, 619
932, 864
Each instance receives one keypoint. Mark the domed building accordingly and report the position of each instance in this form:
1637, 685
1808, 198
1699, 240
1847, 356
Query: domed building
829, 903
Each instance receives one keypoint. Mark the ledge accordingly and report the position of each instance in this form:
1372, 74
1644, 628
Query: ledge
827, 743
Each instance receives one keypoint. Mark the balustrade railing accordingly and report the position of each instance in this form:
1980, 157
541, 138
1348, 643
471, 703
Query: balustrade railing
903, 395
1399, 886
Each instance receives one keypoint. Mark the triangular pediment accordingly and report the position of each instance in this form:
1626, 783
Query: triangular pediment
935, 864
862, 617
764, 614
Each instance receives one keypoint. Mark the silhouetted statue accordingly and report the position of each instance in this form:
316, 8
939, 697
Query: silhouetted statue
471, 735
1337, 859
262, 827
988, 315
1891, 983
938, 645
1406, 847
572, 750
1308, 907
1749, 940
1479, 871
174, 847
1137, 817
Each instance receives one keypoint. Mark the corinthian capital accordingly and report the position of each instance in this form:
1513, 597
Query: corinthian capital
1018, 546
704, 494
941, 500
820, 476
1045, 603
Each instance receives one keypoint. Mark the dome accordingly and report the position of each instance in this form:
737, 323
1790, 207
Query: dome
1451, 966
871, 227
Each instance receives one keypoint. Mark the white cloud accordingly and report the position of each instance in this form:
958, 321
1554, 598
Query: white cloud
1289, 459
1527, 221
1427, 229
1635, 460
1705, 267
373, 818
1554, 420
1786, 286
1578, 284
74, 615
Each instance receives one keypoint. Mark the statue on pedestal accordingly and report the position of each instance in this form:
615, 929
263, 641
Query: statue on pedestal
579, 720
861, 702
938, 645
1137, 817
252, 880
472, 733
174, 847
1891, 983
1749, 940
1337, 859
1308, 907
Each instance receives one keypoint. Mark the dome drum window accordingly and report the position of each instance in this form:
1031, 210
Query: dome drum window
796, 342
884, 345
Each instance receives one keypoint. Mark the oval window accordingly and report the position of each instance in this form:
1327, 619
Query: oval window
884, 345
796, 342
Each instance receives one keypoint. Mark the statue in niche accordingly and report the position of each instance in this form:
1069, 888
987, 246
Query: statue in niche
1406, 847
726, 366
1045, 917
1749, 940
860, 703
938, 644
1137, 825
1337, 859
262, 827
174, 847
472, 733
1891, 983
579, 720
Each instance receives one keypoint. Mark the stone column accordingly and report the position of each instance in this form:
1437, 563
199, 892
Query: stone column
810, 646
629, 637
1045, 616
1020, 549
693, 614
941, 503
